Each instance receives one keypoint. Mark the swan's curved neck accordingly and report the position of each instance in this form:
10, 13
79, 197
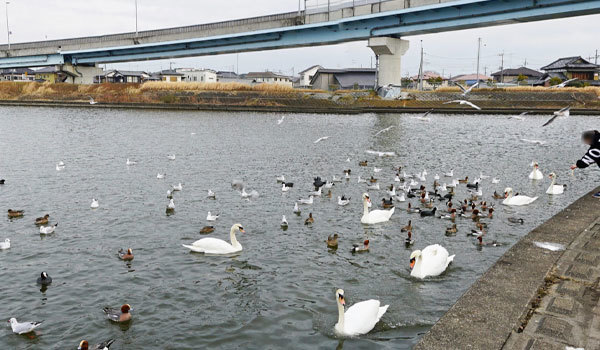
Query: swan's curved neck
340, 315
553, 180
365, 207
234, 241
510, 195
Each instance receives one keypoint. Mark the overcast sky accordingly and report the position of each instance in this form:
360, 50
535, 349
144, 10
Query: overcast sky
536, 43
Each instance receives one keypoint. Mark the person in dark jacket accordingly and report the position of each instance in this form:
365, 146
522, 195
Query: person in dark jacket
591, 138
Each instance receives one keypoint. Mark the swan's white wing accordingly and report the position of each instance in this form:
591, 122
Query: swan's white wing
211, 246
377, 216
434, 260
461, 87
362, 317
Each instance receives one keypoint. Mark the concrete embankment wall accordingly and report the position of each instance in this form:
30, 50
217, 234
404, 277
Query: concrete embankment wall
506, 298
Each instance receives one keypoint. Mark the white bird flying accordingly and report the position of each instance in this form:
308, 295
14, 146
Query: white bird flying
322, 139
563, 113
463, 102
519, 117
281, 120
465, 90
385, 130
92, 101
562, 85
381, 154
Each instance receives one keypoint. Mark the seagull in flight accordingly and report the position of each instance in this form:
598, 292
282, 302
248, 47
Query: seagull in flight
424, 116
381, 154
463, 102
563, 84
385, 130
322, 139
92, 101
519, 117
565, 112
465, 90
281, 120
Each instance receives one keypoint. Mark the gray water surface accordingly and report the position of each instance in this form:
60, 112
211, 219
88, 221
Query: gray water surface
279, 292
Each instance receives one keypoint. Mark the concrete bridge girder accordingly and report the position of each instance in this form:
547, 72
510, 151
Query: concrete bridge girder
389, 52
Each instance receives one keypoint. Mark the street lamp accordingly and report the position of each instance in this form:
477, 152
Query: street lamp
7, 26
136, 19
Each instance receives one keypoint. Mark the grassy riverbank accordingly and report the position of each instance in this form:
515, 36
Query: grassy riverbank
281, 98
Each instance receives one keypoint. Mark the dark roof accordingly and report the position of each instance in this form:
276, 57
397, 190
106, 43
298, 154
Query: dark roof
349, 77
347, 70
226, 74
519, 71
17, 71
50, 69
309, 68
576, 62
251, 75
170, 72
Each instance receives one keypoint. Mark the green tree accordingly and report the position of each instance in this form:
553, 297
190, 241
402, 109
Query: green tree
521, 78
555, 81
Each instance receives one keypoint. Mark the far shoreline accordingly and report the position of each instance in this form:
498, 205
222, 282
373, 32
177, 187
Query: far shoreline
350, 110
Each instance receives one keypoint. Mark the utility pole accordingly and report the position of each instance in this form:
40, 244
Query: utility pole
596, 58
421, 69
136, 19
7, 26
478, 53
502, 68
353, 8
328, 9
299, 7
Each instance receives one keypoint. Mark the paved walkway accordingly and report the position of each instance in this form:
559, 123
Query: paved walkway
567, 310
533, 298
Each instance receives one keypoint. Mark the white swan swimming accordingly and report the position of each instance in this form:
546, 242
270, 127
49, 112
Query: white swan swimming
431, 261
60, 166
94, 204
171, 157
178, 187
536, 174
210, 217
554, 188
375, 216
360, 318
218, 246
281, 178
516, 200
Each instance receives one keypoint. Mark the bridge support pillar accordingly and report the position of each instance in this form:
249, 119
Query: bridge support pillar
389, 52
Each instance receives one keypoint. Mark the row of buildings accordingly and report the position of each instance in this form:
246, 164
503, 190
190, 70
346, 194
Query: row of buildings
317, 77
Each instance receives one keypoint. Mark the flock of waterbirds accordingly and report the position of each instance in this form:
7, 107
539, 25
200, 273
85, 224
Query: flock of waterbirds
438, 201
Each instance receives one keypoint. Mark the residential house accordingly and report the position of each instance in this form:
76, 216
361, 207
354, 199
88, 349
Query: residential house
512, 75
268, 78
52, 74
431, 80
17, 74
305, 76
469, 79
171, 76
198, 75
346, 79
124, 76
570, 68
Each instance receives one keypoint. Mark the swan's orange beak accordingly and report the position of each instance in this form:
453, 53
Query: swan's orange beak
342, 300
369, 200
505, 194
242, 230
412, 263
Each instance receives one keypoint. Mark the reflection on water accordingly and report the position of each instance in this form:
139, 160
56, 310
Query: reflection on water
280, 288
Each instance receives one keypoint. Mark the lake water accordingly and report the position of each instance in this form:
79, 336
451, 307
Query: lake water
279, 292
